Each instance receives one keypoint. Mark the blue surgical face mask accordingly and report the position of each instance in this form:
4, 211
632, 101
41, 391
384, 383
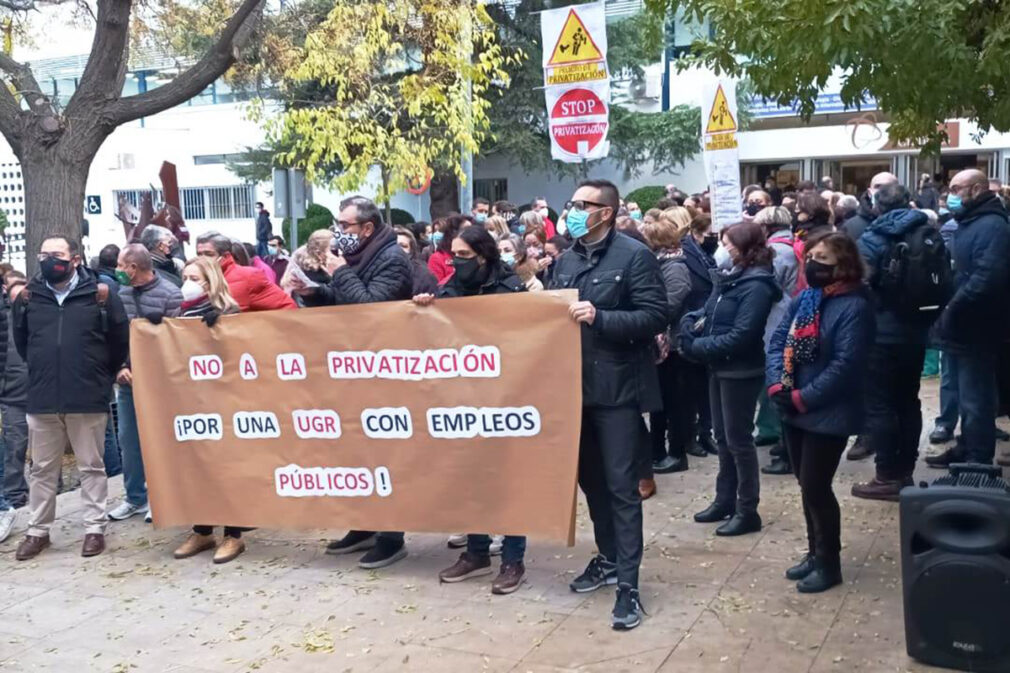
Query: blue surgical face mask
480, 218
954, 202
436, 237
272, 249
576, 223
509, 258
635, 214
522, 229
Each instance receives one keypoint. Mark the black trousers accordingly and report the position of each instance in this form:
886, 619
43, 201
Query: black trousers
893, 411
229, 531
815, 460
676, 422
734, 402
696, 398
608, 475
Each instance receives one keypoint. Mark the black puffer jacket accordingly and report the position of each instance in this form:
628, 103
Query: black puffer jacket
701, 265
621, 278
424, 280
502, 280
72, 353
380, 273
731, 341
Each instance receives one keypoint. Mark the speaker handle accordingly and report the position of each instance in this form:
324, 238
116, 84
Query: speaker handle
997, 534
994, 471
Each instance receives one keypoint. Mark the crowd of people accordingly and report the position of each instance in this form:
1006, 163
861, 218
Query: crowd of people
691, 339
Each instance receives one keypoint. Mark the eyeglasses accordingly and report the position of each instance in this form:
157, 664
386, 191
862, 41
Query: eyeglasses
340, 226
581, 205
43, 256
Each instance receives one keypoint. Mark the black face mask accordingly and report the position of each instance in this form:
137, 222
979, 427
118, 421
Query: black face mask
710, 244
468, 271
753, 209
819, 274
55, 270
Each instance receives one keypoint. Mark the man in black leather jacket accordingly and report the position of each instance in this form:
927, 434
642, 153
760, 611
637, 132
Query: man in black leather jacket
621, 307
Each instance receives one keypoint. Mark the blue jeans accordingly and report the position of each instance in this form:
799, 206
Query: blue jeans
949, 405
14, 491
513, 549
112, 458
4, 505
129, 443
262, 249
976, 386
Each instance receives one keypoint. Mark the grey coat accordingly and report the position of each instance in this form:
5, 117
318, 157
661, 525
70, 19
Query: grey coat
158, 296
785, 265
677, 280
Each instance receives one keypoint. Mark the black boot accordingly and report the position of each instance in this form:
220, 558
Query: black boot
740, 524
779, 465
714, 512
696, 450
801, 569
860, 450
955, 454
670, 464
778, 451
706, 442
827, 573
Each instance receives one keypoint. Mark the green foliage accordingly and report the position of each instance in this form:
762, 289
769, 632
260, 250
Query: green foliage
316, 217
925, 61
398, 216
646, 197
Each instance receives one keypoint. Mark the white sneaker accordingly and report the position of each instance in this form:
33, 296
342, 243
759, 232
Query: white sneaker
496, 544
7, 519
457, 541
127, 509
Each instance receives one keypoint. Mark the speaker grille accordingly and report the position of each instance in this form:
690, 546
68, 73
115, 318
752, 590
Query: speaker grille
963, 608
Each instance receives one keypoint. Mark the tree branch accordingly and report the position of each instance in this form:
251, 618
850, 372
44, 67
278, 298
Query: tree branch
26, 84
10, 118
103, 75
198, 77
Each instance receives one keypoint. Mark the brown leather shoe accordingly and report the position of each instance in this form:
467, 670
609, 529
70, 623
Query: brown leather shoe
466, 567
229, 549
881, 489
31, 547
646, 488
509, 579
195, 544
94, 544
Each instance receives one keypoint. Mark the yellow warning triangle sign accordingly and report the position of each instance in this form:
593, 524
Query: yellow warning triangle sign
720, 119
575, 44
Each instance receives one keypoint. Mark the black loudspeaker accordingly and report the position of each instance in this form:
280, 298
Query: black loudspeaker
955, 563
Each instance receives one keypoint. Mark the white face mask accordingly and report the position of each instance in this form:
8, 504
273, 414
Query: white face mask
192, 290
723, 259
543, 212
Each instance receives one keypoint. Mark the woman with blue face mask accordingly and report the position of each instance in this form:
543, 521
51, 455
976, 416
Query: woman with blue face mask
513, 255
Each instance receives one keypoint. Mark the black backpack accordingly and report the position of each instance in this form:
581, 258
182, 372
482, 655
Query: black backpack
916, 278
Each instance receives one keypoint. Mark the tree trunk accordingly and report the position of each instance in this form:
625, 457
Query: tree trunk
54, 195
444, 193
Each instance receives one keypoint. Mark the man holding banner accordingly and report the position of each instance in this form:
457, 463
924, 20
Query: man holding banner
622, 307
370, 268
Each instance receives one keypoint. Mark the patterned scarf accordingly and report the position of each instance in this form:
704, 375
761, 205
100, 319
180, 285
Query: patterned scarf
802, 342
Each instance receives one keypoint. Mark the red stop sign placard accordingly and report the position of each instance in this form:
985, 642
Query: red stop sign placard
582, 133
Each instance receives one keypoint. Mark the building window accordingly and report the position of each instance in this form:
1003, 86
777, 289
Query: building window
492, 189
218, 203
214, 159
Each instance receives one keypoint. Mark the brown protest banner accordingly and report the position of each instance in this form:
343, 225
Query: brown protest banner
461, 416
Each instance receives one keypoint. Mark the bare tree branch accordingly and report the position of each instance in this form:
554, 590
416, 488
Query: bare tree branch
10, 118
198, 77
26, 84
29, 5
103, 75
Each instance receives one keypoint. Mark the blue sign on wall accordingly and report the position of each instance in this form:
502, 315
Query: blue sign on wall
827, 103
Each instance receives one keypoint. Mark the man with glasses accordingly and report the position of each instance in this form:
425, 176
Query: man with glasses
974, 325
74, 335
368, 266
621, 307
248, 285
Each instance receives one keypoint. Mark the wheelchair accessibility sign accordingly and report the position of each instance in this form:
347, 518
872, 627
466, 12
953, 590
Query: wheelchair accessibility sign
93, 205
